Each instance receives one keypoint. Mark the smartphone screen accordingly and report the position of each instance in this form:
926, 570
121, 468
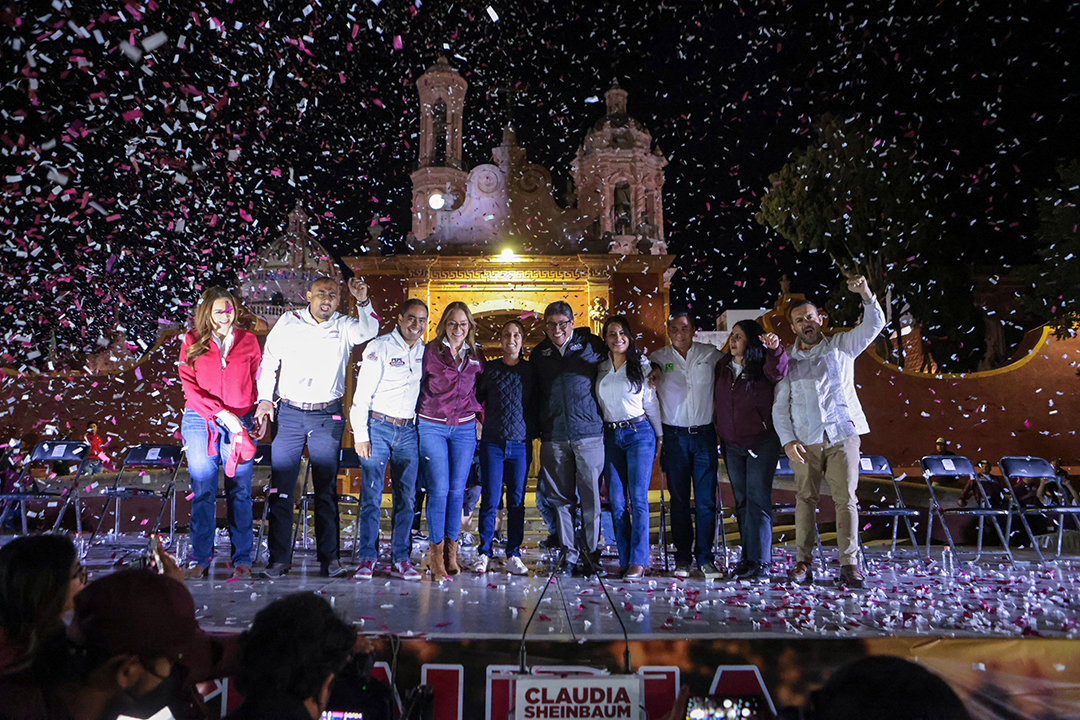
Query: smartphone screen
724, 707
341, 715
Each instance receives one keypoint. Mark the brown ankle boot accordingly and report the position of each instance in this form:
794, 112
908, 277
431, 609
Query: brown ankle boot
435, 561
452, 567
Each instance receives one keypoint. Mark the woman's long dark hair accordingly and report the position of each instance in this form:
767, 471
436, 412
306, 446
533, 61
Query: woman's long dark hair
35, 572
634, 372
753, 360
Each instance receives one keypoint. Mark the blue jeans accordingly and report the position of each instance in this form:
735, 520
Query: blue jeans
399, 446
690, 461
751, 474
628, 459
204, 484
503, 463
320, 431
446, 455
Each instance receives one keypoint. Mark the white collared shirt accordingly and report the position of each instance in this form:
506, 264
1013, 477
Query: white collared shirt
618, 400
311, 356
463, 353
816, 401
685, 388
388, 381
224, 344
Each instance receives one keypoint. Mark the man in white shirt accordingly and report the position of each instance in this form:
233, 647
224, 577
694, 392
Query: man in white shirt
304, 359
383, 420
683, 372
819, 420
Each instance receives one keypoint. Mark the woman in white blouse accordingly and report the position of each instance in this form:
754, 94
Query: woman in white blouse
631, 430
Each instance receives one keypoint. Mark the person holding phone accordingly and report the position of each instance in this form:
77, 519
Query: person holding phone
219, 365
631, 415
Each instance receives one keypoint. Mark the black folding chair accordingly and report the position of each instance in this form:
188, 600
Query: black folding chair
784, 469
262, 459
26, 488
878, 466
952, 466
1015, 468
349, 460
148, 455
662, 533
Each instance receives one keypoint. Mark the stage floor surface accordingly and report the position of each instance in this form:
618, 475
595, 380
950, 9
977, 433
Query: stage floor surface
904, 597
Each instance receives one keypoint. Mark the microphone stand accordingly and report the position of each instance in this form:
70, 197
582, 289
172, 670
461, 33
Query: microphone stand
626, 636
523, 667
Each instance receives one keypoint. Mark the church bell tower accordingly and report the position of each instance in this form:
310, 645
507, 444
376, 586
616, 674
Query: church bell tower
439, 178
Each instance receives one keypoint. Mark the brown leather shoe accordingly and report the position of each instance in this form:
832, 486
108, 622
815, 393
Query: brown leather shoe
242, 572
435, 562
634, 572
197, 572
851, 576
801, 573
452, 567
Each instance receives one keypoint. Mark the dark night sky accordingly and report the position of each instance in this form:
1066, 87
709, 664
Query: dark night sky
105, 146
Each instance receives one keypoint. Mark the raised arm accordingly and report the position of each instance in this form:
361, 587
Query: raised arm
776, 359
860, 337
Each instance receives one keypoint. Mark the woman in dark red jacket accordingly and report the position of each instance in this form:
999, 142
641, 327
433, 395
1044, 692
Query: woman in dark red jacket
745, 378
448, 414
219, 363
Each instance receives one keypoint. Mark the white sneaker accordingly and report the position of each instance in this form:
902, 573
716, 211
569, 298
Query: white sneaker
481, 564
514, 566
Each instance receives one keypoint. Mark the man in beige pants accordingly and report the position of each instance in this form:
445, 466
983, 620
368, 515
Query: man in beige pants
819, 420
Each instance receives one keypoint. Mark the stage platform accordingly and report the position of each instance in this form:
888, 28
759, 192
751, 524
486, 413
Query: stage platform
903, 597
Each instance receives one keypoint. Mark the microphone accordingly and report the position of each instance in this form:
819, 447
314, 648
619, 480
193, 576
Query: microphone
618, 616
523, 668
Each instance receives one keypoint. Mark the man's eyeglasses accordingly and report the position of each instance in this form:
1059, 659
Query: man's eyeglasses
560, 325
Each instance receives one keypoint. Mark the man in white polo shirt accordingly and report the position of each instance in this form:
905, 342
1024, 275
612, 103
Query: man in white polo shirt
305, 358
383, 419
683, 372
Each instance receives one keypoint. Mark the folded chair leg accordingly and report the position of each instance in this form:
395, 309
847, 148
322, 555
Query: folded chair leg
914, 541
1004, 537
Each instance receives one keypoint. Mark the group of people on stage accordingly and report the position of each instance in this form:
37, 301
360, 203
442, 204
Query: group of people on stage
600, 407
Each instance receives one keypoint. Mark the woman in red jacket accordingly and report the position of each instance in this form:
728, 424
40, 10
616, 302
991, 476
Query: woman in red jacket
219, 363
745, 378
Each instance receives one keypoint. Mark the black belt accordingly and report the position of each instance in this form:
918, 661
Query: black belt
309, 407
399, 422
693, 430
624, 423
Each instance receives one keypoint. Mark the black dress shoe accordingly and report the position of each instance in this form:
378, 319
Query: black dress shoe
756, 571
566, 570
740, 569
551, 542
274, 570
333, 569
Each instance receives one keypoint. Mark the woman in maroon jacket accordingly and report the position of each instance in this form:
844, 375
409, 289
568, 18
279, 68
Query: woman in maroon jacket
448, 413
219, 363
745, 378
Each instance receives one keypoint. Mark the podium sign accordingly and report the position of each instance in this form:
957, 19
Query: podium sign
556, 698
